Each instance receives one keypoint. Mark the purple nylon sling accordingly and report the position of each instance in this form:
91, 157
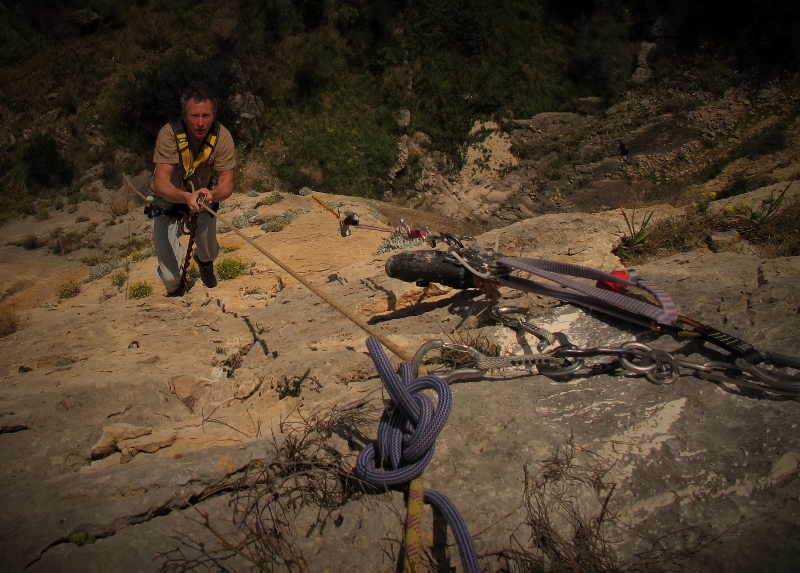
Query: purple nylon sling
590, 296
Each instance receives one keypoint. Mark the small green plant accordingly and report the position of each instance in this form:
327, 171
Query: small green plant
636, 235
118, 278
229, 269
10, 322
194, 274
758, 218
140, 290
138, 255
280, 222
230, 248
81, 218
68, 289
291, 387
100, 270
241, 221
270, 199
82, 538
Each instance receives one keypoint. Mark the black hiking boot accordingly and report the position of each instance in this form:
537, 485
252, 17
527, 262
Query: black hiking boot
180, 291
207, 274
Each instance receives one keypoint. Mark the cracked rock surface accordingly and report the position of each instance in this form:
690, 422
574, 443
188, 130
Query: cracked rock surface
113, 451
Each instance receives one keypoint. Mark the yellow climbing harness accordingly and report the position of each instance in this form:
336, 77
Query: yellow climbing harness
190, 164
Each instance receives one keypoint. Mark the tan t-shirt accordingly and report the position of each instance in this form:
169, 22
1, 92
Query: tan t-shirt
223, 158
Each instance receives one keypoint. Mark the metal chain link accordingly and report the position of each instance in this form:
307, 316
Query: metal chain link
658, 366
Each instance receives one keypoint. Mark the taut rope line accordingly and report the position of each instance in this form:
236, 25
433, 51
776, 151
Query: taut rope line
396, 350
414, 530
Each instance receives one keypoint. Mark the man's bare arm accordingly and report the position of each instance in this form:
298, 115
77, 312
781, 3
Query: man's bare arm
224, 187
163, 187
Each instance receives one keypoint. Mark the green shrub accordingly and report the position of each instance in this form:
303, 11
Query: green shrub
280, 222
229, 269
31, 242
118, 278
10, 322
771, 140
155, 91
45, 165
241, 221
100, 270
230, 248
140, 290
68, 289
270, 199
137, 255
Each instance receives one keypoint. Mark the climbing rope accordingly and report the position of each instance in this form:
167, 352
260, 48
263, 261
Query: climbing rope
407, 434
189, 227
397, 351
414, 514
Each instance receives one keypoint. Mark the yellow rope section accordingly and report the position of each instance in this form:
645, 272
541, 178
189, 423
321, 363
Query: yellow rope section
413, 538
414, 517
327, 207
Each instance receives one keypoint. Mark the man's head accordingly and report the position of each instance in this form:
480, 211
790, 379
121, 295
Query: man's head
198, 111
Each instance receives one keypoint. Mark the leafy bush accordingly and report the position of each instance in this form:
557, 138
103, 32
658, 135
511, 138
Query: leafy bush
140, 290
10, 322
241, 221
68, 289
45, 165
62, 241
100, 270
119, 278
229, 269
138, 255
769, 141
280, 222
270, 199
31, 242
151, 97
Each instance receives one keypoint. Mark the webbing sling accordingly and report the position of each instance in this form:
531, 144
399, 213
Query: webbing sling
613, 303
185, 153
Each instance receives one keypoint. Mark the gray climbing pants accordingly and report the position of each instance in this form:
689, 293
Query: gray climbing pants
170, 253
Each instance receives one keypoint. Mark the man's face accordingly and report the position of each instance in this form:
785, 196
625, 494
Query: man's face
198, 119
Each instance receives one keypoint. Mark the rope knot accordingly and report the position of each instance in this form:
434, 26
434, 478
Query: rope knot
408, 427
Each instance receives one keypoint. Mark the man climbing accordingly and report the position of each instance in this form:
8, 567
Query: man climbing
194, 161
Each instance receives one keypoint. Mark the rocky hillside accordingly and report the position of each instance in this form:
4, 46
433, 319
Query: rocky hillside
219, 431
659, 144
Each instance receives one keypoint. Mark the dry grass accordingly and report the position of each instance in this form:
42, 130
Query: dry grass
773, 228
571, 524
294, 490
119, 204
10, 322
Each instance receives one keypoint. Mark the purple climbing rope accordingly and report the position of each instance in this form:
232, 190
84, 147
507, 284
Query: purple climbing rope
407, 435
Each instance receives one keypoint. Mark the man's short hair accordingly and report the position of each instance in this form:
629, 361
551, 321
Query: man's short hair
197, 92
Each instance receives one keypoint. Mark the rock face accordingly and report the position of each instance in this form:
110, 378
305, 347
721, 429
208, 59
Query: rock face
124, 457
657, 144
